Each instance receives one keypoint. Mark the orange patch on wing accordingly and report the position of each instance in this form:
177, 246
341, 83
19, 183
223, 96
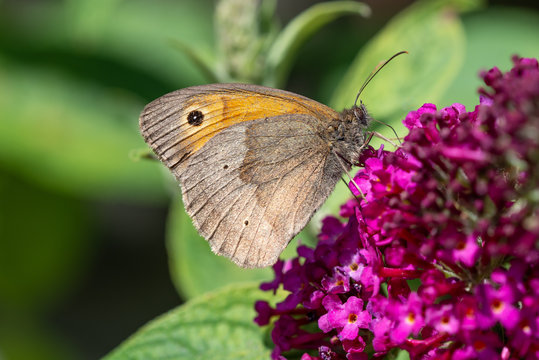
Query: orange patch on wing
221, 111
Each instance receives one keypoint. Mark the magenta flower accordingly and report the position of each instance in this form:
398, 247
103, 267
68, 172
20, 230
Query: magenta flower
408, 318
381, 329
330, 303
354, 265
443, 319
497, 306
349, 318
441, 257
337, 283
479, 346
467, 310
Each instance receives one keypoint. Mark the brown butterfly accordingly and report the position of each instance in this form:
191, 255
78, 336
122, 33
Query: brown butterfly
254, 163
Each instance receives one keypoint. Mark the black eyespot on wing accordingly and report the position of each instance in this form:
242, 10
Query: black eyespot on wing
195, 118
246, 222
225, 167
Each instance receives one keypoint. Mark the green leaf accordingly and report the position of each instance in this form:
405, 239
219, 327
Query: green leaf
23, 338
87, 18
432, 33
139, 34
333, 204
72, 92
195, 269
214, 326
402, 355
203, 64
71, 136
517, 36
287, 44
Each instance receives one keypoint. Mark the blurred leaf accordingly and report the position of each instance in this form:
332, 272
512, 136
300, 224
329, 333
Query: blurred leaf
489, 44
44, 246
203, 63
195, 268
70, 106
22, 339
135, 34
403, 355
333, 204
87, 18
71, 136
214, 326
432, 33
287, 44
140, 32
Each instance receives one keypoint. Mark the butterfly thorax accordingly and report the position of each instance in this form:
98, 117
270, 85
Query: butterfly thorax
348, 134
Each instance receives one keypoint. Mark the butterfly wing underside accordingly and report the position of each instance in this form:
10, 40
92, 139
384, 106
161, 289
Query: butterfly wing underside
253, 173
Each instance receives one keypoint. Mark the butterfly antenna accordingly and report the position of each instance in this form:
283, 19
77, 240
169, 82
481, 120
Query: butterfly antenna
380, 136
357, 198
367, 81
374, 72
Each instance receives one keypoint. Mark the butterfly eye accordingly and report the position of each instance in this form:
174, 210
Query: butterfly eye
195, 118
358, 112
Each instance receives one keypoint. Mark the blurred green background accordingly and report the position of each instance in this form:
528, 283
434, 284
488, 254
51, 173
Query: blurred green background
83, 218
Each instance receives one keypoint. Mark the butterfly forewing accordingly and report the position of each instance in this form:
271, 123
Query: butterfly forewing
166, 126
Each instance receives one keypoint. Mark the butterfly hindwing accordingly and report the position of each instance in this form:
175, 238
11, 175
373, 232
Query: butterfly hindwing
255, 185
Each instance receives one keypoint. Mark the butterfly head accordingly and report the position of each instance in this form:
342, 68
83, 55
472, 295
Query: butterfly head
349, 133
352, 135
360, 114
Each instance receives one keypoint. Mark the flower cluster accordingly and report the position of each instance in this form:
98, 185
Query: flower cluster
441, 256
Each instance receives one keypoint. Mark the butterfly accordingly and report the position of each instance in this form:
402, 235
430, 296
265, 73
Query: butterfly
254, 163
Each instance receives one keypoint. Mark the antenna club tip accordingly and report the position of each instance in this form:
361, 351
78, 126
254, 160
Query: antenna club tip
397, 54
